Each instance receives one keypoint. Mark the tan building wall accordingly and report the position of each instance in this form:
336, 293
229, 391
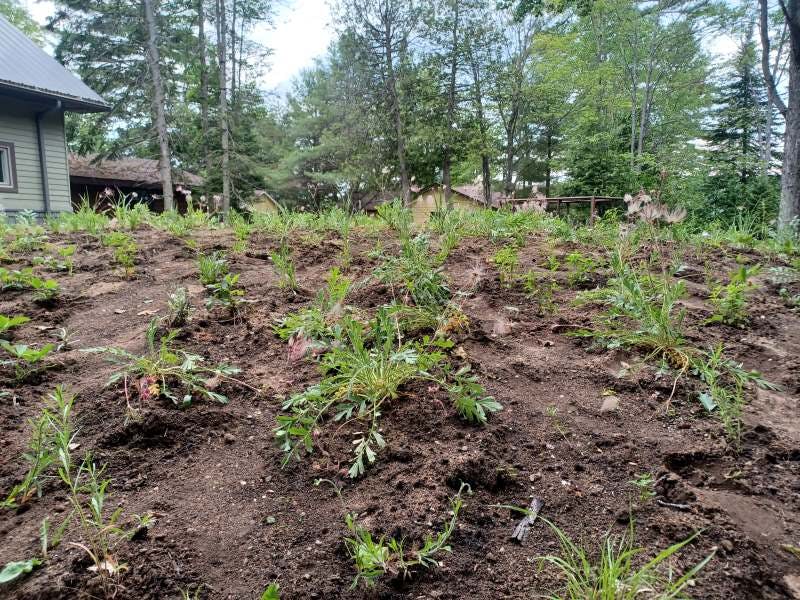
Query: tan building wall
433, 199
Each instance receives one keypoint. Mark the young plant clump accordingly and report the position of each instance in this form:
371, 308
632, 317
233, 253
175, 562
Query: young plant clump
614, 574
164, 371
376, 558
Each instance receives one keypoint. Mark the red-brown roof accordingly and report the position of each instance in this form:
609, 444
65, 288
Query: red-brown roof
132, 171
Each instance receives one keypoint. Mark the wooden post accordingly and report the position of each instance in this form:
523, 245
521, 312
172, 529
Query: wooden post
591, 212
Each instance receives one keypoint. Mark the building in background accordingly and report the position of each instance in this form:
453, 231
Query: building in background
35, 92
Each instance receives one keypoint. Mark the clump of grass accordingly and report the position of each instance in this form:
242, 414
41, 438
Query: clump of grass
541, 291
614, 574
375, 558
284, 266
129, 214
84, 219
506, 259
730, 300
725, 384
241, 230
580, 268
212, 267
398, 217
124, 247
643, 312
54, 422
415, 270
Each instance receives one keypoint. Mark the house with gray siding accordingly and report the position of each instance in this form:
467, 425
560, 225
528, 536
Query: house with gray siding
35, 92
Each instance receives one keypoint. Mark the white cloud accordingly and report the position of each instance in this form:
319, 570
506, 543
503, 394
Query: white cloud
301, 32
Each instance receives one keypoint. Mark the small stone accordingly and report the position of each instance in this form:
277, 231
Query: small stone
610, 404
229, 438
727, 545
793, 585
306, 576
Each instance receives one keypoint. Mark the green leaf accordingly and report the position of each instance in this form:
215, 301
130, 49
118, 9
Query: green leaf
273, 592
707, 401
13, 570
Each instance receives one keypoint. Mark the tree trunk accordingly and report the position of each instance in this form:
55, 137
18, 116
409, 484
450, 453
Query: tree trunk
223, 106
451, 106
486, 175
159, 104
547, 165
233, 59
394, 100
201, 42
508, 185
790, 179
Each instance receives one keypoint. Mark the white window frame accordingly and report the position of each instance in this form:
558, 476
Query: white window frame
8, 157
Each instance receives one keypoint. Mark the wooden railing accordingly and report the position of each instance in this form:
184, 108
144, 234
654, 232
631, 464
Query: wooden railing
593, 201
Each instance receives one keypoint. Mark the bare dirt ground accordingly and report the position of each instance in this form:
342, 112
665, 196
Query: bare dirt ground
230, 518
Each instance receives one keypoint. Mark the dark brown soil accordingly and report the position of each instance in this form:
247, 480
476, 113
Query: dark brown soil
230, 518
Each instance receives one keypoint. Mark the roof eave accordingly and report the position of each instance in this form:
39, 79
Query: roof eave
70, 103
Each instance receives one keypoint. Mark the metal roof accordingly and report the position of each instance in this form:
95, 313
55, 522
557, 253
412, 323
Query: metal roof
24, 67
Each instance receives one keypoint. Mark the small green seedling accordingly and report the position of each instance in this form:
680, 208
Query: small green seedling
25, 359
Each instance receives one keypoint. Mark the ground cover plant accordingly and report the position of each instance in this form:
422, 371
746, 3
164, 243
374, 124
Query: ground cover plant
594, 384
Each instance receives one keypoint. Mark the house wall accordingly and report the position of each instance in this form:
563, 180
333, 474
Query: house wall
427, 202
18, 126
263, 206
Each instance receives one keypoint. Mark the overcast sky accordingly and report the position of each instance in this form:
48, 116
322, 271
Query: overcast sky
302, 31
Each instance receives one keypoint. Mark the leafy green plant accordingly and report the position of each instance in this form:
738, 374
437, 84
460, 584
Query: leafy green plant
225, 292
273, 592
506, 259
375, 558
359, 380
25, 359
213, 267
469, 397
14, 570
313, 325
165, 371
644, 483
730, 300
45, 290
615, 574
54, 423
124, 250
8, 323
